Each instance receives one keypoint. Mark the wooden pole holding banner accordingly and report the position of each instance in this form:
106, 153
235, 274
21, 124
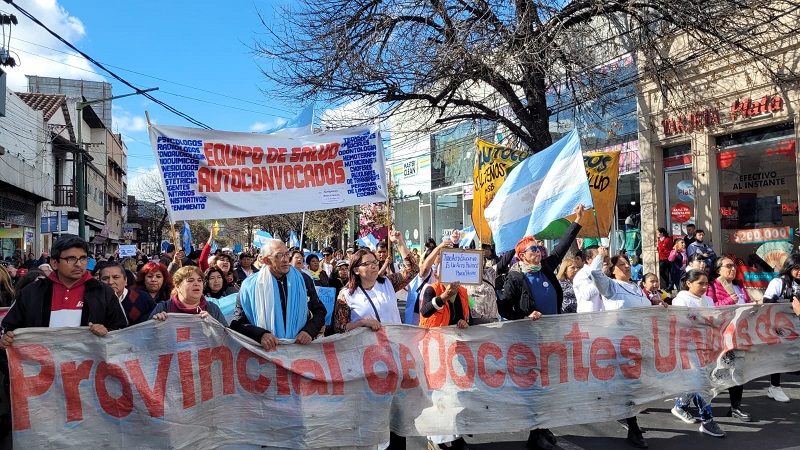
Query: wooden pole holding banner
302, 229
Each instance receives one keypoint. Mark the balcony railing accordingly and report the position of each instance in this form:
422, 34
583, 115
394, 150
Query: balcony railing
65, 195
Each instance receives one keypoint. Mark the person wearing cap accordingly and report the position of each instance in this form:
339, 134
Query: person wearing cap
245, 267
340, 276
349, 251
69, 297
46, 269
328, 262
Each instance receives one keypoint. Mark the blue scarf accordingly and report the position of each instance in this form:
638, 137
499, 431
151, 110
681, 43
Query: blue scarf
260, 299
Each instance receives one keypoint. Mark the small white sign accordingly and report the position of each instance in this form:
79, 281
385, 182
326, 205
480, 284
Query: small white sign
331, 196
464, 266
127, 250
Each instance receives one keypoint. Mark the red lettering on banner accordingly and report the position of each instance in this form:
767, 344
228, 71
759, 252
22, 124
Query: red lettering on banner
461, 349
186, 371
258, 155
208, 150
743, 331
435, 380
784, 327
665, 364
256, 386
548, 349
153, 397
308, 378
282, 378
602, 349
630, 348
498, 377
687, 337
71, 377
408, 365
764, 330
337, 382
295, 155
520, 356
206, 357
576, 338
24, 388
115, 407
380, 353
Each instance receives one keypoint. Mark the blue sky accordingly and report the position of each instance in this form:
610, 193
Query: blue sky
196, 52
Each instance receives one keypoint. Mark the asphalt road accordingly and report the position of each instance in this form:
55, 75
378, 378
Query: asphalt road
775, 426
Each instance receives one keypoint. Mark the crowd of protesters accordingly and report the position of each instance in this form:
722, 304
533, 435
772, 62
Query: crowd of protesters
276, 293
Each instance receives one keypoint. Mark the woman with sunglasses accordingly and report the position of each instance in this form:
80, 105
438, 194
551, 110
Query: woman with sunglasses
727, 290
532, 290
368, 299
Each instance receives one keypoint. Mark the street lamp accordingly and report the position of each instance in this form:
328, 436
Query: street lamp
79, 160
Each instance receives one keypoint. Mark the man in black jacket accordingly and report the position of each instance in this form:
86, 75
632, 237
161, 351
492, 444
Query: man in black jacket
69, 297
266, 329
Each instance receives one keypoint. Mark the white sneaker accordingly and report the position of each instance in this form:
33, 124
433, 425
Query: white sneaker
683, 414
776, 393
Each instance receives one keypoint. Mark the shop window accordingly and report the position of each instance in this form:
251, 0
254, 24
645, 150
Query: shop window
758, 193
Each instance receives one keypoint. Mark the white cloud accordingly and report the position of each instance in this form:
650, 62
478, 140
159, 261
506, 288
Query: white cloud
125, 122
260, 127
31, 46
357, 112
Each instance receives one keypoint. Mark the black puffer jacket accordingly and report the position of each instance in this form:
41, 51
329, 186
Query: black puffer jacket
517, 301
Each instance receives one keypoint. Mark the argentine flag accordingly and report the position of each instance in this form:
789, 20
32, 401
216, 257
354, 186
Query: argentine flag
296, 127
467, 236
545, 187
293, 240
368, 241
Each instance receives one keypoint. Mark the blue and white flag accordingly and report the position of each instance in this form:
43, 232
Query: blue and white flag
214, 246
293, 240
260, 238
467, 236
368, 241
302, 125
186, 235
544, 187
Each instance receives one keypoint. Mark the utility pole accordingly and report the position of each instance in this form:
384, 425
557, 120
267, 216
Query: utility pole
80, 167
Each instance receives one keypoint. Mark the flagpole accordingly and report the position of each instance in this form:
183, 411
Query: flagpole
302, 229
388, 216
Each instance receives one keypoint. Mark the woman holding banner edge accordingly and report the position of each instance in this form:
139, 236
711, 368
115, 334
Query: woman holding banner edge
532, 290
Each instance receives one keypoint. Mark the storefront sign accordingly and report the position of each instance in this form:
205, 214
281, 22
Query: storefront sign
706, 118
745, 108
10, 233
685, 191
759, 235
681, 213
687, 124
759, 179
410, 168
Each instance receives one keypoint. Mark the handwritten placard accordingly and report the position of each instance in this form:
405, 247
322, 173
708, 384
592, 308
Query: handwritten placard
127, 250
464, 266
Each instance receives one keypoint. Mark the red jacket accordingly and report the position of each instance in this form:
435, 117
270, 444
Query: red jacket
664, 247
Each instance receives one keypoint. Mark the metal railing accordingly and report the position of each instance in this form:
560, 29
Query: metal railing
65, 195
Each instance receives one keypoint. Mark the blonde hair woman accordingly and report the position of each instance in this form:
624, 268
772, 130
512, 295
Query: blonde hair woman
187, 297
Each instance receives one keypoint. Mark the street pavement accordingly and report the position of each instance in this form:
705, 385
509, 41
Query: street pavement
775, 426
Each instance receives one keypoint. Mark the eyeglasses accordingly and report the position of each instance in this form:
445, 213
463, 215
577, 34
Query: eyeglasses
374, 262
281, 255
729, 266
71, 260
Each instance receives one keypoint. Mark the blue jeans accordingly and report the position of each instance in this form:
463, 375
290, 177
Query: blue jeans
704, 408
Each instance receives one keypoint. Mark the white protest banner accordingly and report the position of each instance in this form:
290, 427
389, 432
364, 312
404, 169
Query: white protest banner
190, 383
211, 174
464, 266
127, 250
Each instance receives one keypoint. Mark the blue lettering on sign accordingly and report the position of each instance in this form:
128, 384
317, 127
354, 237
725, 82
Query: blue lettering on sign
359, 154
179, 160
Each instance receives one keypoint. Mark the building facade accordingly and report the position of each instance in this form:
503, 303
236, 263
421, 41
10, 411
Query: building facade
720, 152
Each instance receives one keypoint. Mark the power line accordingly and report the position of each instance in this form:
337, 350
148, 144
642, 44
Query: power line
101, 66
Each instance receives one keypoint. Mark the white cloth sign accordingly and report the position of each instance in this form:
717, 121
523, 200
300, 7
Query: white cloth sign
212, 174
190, 383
